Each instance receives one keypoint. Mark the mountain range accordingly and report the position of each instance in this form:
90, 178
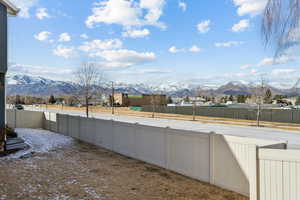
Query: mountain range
35, 85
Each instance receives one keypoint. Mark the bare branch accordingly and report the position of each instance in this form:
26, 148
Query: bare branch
280, 24
87, 77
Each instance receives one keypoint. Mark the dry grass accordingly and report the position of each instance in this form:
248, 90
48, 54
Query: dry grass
215, 120
87, 172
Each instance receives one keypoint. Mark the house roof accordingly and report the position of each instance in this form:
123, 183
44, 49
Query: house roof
11, 9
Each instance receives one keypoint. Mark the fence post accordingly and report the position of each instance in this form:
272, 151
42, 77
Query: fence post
79, 127
68, 132
166, 155
135, 128
113, 133
211, 157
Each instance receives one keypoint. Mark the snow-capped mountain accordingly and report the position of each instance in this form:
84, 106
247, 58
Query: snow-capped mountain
30, 85
35, 85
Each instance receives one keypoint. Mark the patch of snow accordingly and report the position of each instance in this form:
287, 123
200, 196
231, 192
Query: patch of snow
61, 197
91, 192
40, 141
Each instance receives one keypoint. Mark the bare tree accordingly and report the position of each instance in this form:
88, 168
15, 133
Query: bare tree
87, 77
199, 91
280, 24
259, 92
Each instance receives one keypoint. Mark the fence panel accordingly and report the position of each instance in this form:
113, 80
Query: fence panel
188, 154
267, 115
279, 174
24, 119
124, 138
234, 162
86, 130
50, 122
104, 129
74, 126
273, 115
53, 122
282, 116
227, 171
296, 116
151, 145
63, 124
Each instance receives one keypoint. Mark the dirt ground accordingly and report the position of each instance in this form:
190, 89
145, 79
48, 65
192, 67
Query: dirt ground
83, 171
215, 120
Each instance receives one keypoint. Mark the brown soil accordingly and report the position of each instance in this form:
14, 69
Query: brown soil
87, 172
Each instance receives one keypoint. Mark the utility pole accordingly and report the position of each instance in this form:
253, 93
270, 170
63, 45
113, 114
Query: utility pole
112, 98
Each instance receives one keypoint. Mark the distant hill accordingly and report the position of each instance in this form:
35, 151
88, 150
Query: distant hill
39, 86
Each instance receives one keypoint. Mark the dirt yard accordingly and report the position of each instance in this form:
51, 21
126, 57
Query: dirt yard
213, 120
82, 171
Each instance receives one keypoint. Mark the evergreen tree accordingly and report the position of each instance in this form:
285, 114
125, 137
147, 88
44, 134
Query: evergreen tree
231, 98
268, 96
52, 100
241, 98
169, 100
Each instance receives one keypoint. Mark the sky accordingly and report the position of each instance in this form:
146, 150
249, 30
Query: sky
207, 42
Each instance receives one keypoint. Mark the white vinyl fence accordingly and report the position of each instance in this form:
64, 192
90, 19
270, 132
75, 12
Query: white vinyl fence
226, 161
279, 174
24, 119
259, 169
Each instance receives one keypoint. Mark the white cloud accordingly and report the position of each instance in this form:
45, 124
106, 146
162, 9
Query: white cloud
245, 66
64, 51
43, 36
250, 7
154, 71
123, 58
241, 26
95, 46
174, 49
42, 13
276, 61
25, 6
283, 71
228, 44
182, 5
203, 27
136, 33
155, 10
64, 37
127, 13
84, 36
195, 49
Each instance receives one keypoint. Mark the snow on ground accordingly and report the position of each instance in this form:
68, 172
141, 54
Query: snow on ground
40, 141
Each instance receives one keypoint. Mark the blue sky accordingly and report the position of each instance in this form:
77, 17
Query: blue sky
208, 42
